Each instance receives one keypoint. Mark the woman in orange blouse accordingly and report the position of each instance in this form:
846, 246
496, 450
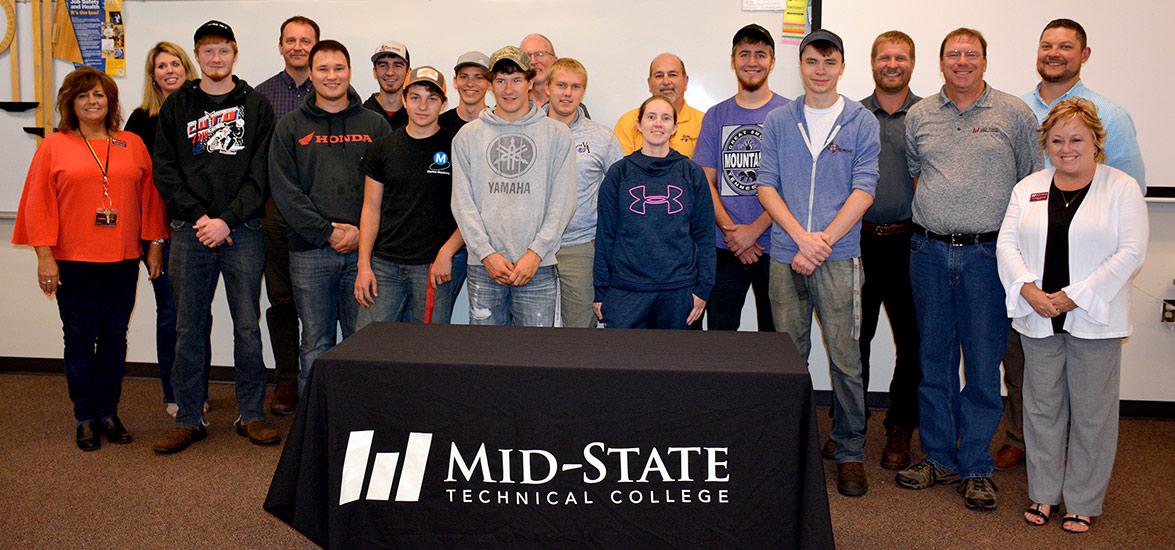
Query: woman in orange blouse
88, 203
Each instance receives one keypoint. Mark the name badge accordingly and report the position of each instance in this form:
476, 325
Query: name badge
106, 217
118, 143
1038, 197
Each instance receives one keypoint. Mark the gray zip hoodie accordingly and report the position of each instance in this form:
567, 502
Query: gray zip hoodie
513, 185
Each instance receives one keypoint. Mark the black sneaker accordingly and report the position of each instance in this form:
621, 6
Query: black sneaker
924, 474
979, 493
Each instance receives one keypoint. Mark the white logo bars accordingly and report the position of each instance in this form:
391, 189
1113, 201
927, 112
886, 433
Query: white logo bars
383, 471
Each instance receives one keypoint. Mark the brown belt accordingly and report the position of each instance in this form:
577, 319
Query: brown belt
887, 229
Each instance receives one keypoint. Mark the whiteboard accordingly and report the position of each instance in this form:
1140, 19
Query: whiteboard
616, 39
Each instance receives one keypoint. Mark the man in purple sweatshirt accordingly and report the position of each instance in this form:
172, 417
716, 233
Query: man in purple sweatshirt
816, 179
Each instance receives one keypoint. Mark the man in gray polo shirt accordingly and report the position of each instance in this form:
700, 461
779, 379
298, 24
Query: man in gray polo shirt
966, 148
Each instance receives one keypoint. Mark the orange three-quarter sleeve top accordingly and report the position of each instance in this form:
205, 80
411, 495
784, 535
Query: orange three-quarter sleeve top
63, 192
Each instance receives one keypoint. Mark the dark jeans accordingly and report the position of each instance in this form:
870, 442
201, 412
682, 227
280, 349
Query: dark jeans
165, 325
887, 281
666, 309
732, 279
282, 315
95, 301
195, 270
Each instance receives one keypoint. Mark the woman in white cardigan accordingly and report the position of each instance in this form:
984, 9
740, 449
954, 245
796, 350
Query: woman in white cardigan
1072, 238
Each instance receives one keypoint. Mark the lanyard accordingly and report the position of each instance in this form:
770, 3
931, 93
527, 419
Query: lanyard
107, 202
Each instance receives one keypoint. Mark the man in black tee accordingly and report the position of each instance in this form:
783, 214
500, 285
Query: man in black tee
407, 234
471, 81
390, 64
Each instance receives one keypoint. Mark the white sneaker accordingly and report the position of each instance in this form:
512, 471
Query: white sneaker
172, 409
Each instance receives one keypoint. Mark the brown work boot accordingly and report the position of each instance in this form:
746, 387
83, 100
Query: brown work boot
896, 454
285, 399
850, 479
259, 432
1008, 457
178, 438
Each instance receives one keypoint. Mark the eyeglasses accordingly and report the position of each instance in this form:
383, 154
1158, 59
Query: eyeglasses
954, 55
539, 54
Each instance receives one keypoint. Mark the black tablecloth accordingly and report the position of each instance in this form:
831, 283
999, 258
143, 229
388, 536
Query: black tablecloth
448, 435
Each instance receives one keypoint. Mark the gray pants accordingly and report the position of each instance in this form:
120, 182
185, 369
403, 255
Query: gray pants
1071, 400
829, 292
576, 291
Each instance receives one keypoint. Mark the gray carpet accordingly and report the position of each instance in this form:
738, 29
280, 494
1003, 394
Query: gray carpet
55, 496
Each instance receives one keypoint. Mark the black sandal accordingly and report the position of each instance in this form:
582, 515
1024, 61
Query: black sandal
1034, 511
1071, 519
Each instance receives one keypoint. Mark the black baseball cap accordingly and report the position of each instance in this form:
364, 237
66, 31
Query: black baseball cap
823, 36
215, 28
754, 33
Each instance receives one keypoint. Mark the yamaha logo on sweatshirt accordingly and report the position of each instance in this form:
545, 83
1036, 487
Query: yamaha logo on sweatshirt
511, 155
742, 147
220, 131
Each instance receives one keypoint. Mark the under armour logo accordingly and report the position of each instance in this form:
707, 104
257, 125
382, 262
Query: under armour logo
671, 198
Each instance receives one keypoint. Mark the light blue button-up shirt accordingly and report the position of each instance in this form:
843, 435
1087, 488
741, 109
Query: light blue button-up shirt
1122, 150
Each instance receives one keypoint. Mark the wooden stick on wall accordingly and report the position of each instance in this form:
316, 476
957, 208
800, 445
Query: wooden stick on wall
38, 67
48, 83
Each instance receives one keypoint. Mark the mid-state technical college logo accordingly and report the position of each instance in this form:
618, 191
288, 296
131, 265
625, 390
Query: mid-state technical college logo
600, 475
742, 147
511, 155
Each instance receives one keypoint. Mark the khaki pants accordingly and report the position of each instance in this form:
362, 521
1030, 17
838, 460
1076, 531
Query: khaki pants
576, 290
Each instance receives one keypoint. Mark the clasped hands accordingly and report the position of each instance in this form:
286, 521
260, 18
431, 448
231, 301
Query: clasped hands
814, 250
505, 272
1047, 304
740, 238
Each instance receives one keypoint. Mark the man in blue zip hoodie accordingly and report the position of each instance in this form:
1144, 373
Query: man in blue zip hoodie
211, 147
817, 178
513, 194
317, 185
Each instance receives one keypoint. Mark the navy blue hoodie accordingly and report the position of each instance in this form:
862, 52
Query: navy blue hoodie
655, 227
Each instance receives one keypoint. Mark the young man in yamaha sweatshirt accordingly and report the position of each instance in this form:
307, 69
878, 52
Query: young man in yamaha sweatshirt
211, 147
816, 180
513, 194
317, 186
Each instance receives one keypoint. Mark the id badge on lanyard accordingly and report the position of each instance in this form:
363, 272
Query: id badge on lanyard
106, 214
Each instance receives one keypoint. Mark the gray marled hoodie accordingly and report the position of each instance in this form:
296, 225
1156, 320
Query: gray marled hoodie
513, 185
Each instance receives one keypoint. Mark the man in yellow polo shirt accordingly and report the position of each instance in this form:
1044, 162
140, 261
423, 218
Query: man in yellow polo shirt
666, 77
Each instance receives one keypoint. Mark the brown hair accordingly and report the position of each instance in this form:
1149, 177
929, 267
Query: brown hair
301, 20
959, 33
567, 64
892, 36
81, 81
1067, 24
152, 95
1083, 110
641, 112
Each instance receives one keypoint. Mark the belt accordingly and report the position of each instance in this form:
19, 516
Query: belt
887, 229
959, 239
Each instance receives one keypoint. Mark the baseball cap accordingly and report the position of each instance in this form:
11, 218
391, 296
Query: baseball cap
391, 47
511, 53
754, 33
474, 58
823, 36
429, 75
215, 28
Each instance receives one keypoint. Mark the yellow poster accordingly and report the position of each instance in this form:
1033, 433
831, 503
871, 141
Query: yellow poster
114, 39
795, 21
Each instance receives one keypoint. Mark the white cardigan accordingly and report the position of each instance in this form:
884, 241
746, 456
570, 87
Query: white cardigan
1107, 245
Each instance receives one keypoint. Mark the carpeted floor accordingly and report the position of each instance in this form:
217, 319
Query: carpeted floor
55, 496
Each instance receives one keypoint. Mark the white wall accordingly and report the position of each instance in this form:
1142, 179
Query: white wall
615, 39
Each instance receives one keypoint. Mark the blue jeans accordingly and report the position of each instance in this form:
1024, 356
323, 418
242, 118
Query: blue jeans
324, 293
165, 325
95, 301
666, 309
959, 302
460, 271
403, 295
195, 270
529, 305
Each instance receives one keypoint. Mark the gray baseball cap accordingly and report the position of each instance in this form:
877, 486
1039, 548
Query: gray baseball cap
391, 47
474, 58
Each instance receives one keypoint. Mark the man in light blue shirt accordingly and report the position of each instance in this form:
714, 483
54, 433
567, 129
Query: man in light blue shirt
1059, 57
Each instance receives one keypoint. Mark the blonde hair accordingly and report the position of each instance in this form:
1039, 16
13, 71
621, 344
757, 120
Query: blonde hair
152, 95
567, 64
1083, 110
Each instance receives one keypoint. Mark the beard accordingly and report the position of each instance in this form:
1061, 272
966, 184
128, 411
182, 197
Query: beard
750, 86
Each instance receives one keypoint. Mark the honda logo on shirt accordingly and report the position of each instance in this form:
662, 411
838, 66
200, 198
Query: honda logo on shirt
383, 470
